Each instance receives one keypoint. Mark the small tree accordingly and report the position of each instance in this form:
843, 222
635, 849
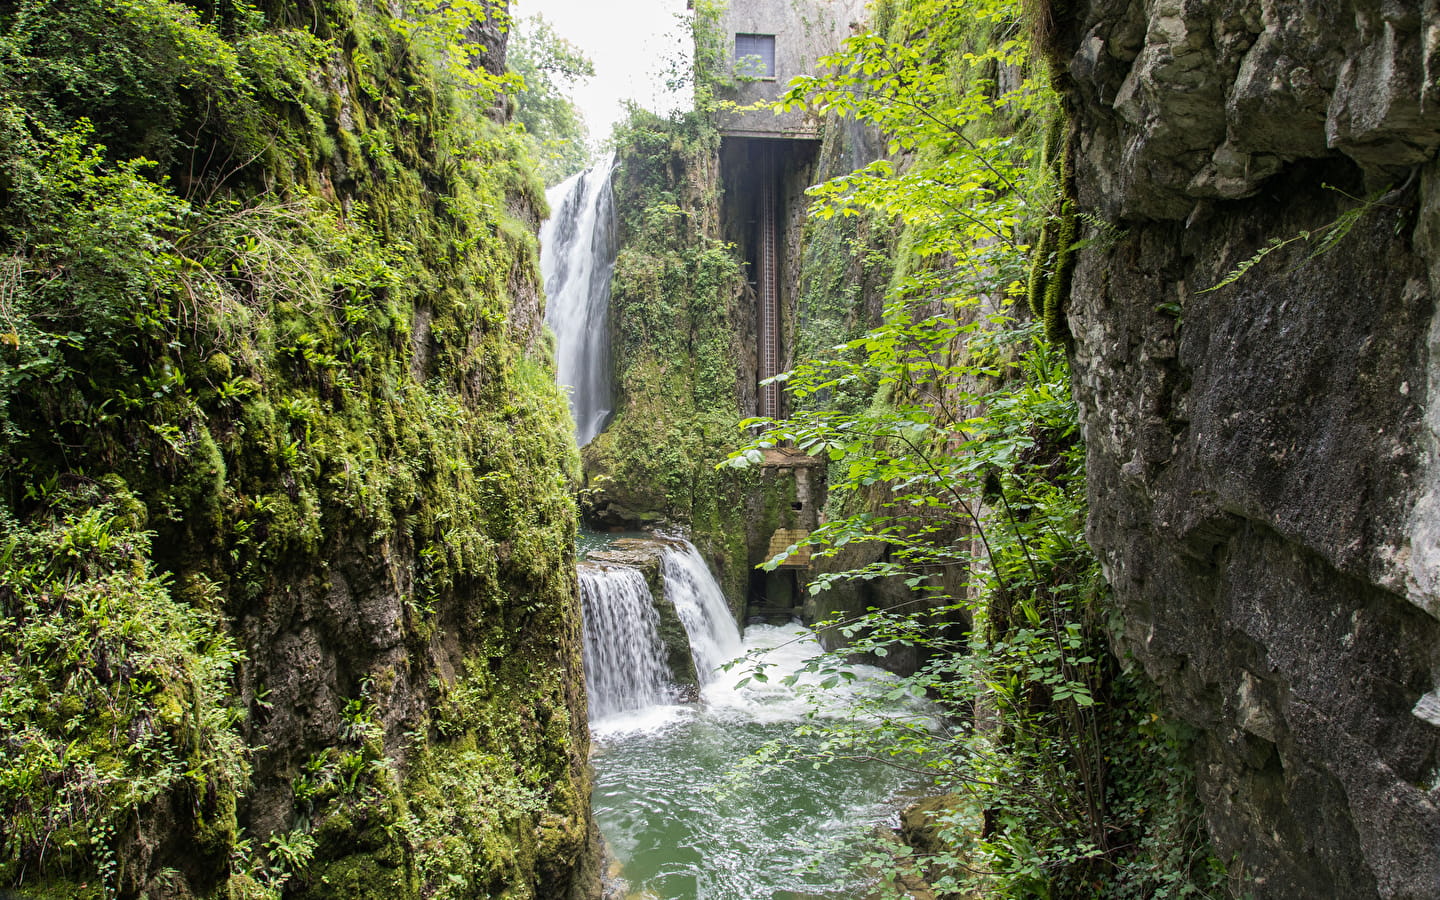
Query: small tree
968, 460
550, 66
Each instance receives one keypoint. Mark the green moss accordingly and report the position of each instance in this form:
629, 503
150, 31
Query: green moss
1058, 286
1053, 257
294, 355
115, 695
1035, 289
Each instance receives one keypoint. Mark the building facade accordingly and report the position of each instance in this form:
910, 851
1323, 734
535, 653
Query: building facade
769, 43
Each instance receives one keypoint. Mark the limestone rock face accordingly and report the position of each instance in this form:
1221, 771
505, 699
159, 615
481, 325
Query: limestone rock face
1263, 457
1210, 98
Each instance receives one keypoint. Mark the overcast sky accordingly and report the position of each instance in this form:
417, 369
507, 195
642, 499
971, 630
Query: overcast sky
630, 42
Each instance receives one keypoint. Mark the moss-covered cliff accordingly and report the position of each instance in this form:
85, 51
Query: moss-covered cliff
286, 565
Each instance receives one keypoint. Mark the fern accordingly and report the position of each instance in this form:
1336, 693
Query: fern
1327, 236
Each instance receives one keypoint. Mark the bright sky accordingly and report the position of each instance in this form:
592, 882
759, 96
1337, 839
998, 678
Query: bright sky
630, 42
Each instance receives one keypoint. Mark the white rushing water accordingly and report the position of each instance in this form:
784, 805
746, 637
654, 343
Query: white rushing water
691, 589
678, 824
577, 257
624, 660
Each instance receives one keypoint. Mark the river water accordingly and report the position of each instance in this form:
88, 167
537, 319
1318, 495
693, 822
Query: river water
686, 818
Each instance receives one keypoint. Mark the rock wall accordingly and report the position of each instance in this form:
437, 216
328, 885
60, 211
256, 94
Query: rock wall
285, 376
1262, 457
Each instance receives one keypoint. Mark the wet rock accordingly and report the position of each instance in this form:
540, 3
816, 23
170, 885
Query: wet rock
922, 821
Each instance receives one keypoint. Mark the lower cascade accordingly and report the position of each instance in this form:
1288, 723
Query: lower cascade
624, 659
680, 820
690, 588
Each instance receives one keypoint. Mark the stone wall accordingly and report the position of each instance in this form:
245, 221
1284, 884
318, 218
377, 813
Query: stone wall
1262, 456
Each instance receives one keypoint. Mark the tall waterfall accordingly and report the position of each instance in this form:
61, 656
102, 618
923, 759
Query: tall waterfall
624, 659
690, 588
577, 257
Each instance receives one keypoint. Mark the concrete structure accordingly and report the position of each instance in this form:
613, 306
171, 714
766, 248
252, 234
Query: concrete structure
768, 43
795, 33
766, 163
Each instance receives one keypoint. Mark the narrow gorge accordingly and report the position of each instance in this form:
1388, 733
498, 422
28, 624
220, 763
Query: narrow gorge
964, 448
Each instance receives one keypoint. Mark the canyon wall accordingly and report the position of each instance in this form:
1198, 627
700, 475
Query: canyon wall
287, 596
1264, 483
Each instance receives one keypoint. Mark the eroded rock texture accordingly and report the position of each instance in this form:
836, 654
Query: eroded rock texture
1263, 456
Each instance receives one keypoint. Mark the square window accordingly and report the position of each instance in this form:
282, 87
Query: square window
755, 55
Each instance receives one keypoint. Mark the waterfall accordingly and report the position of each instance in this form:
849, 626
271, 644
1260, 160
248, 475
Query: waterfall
577, 256
664, 795
626, 662
714, 639
624, 659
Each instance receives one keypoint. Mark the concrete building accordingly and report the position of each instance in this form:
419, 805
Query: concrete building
770, 42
